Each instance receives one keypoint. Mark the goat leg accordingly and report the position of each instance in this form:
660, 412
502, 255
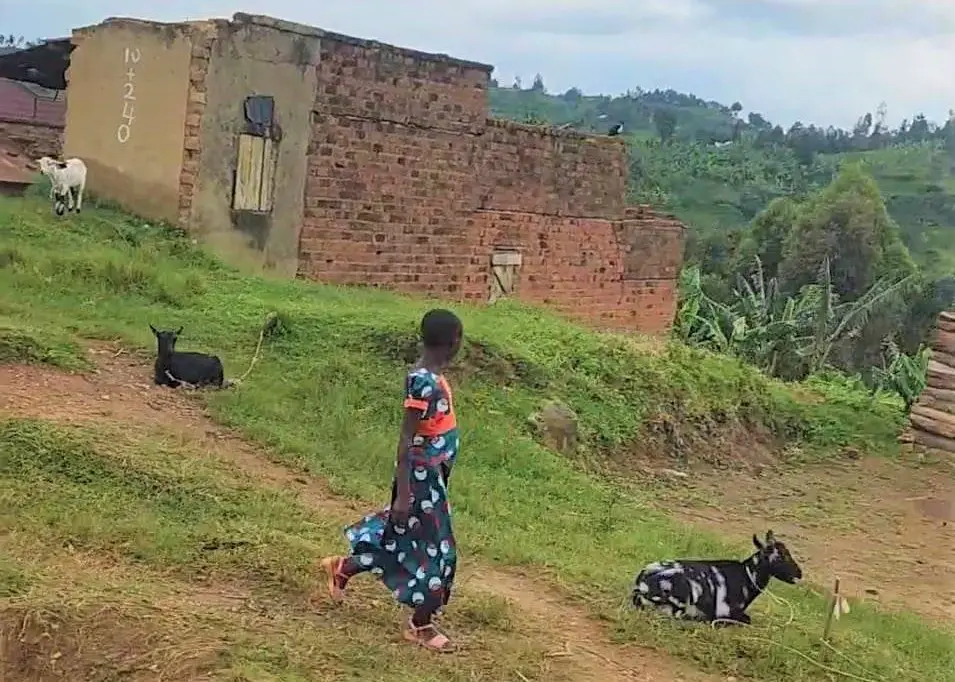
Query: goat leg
741, 618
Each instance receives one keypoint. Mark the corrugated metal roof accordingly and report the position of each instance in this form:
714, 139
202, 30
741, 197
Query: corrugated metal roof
13, 168
19, 102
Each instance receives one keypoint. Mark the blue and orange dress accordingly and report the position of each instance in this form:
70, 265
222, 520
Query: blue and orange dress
418, 562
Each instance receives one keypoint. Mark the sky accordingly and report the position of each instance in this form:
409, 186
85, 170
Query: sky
818, 61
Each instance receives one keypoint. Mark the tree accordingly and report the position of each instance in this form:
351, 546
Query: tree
572, 95
846, 224
863, 126
880, 131
517, 83
18, 41
948, 132
757, 122
735, 108
538, 84
920, 129
664, 120
766, 236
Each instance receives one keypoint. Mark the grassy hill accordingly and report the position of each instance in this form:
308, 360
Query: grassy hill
716, 184
120, 509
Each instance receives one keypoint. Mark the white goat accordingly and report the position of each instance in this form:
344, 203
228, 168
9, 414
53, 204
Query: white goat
66, 177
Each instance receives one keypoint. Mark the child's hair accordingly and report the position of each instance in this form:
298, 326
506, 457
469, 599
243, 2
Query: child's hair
440, 328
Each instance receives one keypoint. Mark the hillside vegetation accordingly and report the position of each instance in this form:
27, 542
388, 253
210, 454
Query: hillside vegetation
777, 215
144, 516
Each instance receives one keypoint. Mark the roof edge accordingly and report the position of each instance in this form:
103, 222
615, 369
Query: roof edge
315, 32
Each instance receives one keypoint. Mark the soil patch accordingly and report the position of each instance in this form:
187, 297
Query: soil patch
881, 526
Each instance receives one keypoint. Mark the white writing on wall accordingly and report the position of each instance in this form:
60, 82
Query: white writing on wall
124, 129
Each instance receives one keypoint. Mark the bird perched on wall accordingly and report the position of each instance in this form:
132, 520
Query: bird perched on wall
616, 129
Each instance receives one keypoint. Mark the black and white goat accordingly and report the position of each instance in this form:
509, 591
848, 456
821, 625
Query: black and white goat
67, 182
174, 368
712, 591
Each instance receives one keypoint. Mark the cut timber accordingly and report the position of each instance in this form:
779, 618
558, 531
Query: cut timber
943, 341
929, 440
933, 421
941, 376
938, 399
943, 357
932, 417
946, 326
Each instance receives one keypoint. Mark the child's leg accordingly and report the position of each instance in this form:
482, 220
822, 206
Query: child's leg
422, 616
339, 570
421, 629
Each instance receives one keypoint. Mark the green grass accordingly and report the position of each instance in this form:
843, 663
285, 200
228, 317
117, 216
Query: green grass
324, 396
168, 515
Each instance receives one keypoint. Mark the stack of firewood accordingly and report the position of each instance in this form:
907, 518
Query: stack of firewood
933, 416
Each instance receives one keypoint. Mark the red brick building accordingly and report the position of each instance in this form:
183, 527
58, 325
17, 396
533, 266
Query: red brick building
343, 160
411, 186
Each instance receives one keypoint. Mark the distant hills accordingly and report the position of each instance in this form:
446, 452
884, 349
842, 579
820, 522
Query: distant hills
716, 169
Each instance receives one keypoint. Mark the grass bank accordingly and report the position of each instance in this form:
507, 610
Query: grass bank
324, 396
183, 567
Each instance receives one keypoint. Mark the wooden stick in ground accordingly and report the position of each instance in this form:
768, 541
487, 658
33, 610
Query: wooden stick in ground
833, 605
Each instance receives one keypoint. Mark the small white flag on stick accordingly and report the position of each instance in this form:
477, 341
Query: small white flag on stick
840, 607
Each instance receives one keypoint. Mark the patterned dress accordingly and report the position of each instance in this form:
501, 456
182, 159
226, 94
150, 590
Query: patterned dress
418, 562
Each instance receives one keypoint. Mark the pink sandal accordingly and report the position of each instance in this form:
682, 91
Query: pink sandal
333, 570
428, 637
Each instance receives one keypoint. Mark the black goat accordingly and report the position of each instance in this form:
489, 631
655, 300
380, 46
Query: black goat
174, 368
718, 590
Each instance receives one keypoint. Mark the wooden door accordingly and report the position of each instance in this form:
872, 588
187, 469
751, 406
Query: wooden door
505, 271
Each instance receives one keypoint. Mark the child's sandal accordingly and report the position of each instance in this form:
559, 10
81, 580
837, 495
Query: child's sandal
333, 570
428, 637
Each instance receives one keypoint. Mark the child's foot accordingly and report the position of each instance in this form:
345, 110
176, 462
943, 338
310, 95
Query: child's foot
428, 637
335, 578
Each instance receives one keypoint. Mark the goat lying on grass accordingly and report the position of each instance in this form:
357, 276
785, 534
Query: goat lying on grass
719, 590
174, 368
67, 178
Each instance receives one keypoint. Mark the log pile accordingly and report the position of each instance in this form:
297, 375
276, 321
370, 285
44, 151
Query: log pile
933, 416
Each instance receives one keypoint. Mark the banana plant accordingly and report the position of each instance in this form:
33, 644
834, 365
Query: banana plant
903, 374
834, 321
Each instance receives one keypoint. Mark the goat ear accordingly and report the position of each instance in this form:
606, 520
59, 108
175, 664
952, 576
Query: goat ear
154, 330
756, 542
770, 538
179, 331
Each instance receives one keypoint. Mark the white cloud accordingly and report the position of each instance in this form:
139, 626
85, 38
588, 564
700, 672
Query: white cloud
816, 60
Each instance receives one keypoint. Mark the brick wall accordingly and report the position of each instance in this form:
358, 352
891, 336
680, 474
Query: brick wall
32, 140
389, 178
203, 38
411, 187
554, 172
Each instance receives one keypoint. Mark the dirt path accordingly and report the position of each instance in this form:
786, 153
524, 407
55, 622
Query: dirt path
880, 526
120, 392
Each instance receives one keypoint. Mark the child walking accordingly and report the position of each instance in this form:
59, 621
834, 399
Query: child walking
410, 544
